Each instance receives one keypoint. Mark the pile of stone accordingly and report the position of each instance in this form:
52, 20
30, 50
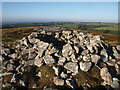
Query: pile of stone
66, 52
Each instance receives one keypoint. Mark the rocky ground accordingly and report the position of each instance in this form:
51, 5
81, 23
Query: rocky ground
60, 60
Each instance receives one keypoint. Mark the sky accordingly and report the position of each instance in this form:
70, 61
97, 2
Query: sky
59, 11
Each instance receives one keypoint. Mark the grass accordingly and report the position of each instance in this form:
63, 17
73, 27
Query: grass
12, 34
108, 28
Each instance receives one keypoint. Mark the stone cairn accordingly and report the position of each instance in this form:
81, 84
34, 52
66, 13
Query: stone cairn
66, 52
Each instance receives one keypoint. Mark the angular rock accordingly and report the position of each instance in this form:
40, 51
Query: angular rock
63, 75
111, 63
67, 50
49, 59
104, 55
85, 66
13, 79
10, 67
38, 61
58, 82
57, 70
76, 49
32, 55
105, 75
22, 82
86, 58
73, 67
115, 84
39, 74
61, 60
118, 47
42, 46
95, 58
5, 51
85, 52
72, 83
29, 63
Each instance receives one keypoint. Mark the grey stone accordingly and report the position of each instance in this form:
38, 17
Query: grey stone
86, 57
67, 50
73, 67
95, 58
115, 84
85, 52
34, 86
85, 66
38, 61
29, 63
14, 55
105, 75
32, 55
39, 74
63, 75
13, 79
5, 51
10, 67
49, 59
58, 82
118, 47
22, 82
76, 49
110, 63
57, 70
41, 47
104, 55
72, 83
61, 60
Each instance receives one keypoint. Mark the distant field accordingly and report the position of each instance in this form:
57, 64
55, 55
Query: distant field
111, 28
13, 32
10, 35
115, 28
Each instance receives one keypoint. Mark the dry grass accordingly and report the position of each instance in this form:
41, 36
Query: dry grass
92, 77
12, 34
47, 76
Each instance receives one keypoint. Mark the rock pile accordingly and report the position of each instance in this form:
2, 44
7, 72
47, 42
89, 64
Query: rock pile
66, 52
